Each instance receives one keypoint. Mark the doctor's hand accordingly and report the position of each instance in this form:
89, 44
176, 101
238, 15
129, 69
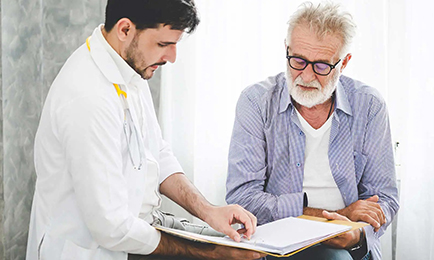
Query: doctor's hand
222, 217
346, 240
368, 211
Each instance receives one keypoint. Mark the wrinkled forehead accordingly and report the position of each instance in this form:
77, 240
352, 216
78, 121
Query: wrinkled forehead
305, 42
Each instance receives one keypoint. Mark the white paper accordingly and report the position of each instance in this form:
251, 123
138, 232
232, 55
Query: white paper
279, 237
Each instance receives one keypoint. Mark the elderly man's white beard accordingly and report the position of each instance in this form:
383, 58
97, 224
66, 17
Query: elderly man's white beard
311, 98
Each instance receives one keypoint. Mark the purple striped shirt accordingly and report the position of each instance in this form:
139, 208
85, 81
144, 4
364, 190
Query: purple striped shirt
266, 156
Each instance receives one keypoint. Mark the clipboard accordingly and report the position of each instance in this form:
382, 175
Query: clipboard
280, 238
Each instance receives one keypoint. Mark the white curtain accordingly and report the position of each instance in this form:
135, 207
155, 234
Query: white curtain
416, 217
240, 42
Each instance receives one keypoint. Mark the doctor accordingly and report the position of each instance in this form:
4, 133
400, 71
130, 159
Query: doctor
100, 159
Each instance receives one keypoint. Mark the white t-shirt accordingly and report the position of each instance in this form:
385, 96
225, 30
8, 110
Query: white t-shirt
318, 181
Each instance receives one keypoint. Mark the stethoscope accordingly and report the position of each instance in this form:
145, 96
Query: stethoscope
130, 129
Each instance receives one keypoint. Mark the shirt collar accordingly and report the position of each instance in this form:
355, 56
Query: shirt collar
285, 99
112, 65
342, 102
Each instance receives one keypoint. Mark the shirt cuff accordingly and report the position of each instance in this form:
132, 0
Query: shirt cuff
154, 239
289, 205
141, 239
370, 237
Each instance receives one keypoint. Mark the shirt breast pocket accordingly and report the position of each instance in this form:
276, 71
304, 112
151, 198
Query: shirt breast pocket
359, 164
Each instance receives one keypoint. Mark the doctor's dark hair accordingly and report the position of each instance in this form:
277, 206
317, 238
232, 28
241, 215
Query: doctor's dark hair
179, 14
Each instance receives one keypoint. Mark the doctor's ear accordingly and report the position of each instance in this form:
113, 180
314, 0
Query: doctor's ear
124, 28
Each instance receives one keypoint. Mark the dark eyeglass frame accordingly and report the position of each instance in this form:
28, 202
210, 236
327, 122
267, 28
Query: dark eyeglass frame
332, 66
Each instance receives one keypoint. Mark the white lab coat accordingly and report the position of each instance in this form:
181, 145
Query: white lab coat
88, 196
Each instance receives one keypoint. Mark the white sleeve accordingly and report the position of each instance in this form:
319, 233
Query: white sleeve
167, 161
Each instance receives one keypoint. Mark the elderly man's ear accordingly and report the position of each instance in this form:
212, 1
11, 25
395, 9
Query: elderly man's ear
345, 61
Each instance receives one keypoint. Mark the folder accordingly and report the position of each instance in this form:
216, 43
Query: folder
280, 238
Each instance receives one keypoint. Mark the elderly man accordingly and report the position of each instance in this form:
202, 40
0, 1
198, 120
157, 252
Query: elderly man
100, 159
312, 139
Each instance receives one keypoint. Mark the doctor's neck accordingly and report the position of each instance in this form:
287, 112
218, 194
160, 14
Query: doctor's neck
112, 39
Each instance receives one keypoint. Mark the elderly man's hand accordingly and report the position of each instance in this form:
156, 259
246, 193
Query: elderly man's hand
345, 240
368, 211
221, 218
227, 253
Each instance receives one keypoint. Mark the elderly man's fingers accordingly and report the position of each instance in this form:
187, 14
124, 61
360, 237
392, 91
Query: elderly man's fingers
376, 213
380, 215
374, 198
370, 220
378, 209
334, 215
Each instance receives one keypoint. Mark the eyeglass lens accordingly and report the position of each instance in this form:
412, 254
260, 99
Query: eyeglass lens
301, 64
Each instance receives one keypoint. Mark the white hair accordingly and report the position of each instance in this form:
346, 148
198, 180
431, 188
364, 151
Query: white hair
324, 19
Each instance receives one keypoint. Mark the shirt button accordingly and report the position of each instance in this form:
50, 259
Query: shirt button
298, 164
301, 133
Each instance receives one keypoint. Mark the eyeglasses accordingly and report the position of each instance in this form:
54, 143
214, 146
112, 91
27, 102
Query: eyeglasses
320, 68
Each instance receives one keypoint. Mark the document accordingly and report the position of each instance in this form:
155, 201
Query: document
279, 238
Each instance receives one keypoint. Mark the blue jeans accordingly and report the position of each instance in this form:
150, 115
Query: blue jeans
319, 252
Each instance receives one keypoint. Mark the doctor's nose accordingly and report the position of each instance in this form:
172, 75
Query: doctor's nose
170, 54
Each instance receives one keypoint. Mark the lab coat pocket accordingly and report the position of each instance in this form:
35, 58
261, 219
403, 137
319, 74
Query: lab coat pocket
359, 164
71, 251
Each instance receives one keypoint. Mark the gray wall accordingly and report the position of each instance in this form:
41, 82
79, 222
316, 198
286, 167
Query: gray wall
37, 37
1, 152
